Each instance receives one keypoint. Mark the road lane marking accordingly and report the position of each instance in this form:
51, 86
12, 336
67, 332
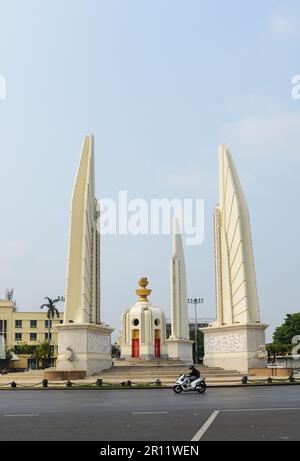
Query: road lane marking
21, 416
259, 409
95, 405
205, 426
150, 413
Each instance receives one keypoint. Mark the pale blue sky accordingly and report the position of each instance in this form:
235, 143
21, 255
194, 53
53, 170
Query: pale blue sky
160, 83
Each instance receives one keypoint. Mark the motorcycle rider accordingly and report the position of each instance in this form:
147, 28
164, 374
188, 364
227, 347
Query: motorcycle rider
193, 374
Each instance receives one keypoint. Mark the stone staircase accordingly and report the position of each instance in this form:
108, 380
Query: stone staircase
139, 371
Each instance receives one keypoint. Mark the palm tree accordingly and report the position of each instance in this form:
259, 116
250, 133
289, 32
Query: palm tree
41, 354
51, 314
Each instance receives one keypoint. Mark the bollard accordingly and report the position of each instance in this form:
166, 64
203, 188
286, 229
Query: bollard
99, 383
244, 379
69, 384
45, 383
13, 385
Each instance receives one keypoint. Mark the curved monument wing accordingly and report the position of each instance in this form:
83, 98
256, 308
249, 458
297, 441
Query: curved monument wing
179, 307
83, 267
237, 300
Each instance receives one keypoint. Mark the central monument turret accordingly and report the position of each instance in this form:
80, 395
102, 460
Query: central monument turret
143, 329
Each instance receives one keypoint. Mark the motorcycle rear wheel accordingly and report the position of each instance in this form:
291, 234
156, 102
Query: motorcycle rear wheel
201, 388
177, 389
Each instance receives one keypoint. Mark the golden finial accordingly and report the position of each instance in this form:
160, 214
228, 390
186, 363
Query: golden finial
143, 292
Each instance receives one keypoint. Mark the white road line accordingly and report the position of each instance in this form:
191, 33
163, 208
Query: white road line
259, 409
21, 416
95, 405
150, 413
205, 426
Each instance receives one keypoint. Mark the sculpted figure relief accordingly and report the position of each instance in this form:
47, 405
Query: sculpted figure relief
261, 352
69, 354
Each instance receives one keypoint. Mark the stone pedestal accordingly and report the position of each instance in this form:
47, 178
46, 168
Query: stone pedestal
83, 347
180, 349
235, 347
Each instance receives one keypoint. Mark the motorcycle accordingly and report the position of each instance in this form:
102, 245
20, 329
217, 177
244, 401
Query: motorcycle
183, 385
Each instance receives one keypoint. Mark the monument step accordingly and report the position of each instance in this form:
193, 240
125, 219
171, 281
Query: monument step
170, 381
150, 363
152, 378
165, 372
147, 363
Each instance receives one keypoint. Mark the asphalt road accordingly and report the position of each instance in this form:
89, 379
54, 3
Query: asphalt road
261, 413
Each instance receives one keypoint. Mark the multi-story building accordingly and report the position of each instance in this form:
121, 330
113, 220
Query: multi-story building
193, 323
21, 329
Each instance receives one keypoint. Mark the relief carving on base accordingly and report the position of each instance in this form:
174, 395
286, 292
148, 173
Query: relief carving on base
99, 344
234, 342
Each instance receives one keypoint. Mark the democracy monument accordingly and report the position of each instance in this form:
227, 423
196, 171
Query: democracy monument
84, 341
235, 341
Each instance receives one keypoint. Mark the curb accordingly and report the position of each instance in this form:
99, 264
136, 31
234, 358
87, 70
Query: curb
137, 388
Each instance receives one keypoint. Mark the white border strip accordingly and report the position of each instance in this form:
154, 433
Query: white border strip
259, 409
21, 416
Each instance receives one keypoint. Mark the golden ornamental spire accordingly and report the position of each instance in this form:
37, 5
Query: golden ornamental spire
143, 292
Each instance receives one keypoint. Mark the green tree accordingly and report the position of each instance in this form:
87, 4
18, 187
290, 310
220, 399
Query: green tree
275, 349
23, 348
4, 363
52, 312
9, 355
115, 351
283, 334
200, 351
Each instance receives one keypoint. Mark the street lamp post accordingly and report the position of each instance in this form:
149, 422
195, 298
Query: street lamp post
196, 301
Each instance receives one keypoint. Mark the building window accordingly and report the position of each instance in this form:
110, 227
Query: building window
135, 322
61, 322
18, 337
3, 329
18, 324
46, 336
33, 336
33, 323
47, 323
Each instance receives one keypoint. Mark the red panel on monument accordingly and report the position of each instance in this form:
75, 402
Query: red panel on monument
135, 348
157, 347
